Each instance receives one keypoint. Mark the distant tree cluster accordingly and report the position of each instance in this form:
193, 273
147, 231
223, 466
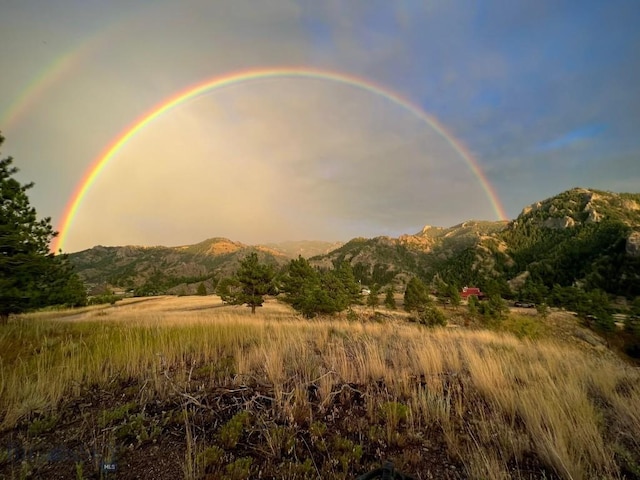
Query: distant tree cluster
315, 292
30, 275
309, 291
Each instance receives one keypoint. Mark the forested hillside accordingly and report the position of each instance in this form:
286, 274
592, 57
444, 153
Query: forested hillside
580, 238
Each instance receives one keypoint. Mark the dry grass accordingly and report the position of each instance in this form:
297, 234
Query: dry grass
498, 400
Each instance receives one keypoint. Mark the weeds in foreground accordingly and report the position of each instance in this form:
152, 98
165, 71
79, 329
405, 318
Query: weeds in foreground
494, 400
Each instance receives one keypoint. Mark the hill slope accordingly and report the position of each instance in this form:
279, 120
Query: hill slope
152, 270
579, 237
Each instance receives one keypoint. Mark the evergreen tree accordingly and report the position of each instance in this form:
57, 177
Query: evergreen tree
493, 308
313, 293
202, 290
350, 286
30, 275
432, 317
416, 297
389, 300
298, 281
62, 286
472, 305
228, 289
256, 281
599, 309
372, 298
454, 295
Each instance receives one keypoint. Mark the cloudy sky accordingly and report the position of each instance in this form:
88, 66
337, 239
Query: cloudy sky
453, 110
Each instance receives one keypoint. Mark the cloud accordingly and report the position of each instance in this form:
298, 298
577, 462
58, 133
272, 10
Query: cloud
279, 160
520, 85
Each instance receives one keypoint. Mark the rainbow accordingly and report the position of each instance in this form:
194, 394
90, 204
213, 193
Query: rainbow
56, 70
47, 77
246, 76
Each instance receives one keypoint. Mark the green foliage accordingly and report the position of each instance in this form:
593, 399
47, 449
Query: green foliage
493, 308
416, 297
42, 425
542, 309
394, 413
30, 276
211, 458
157, 283
202, 290
79, 471
104, 299
533, 290
139, 428
389, 299
313, 292
432, 317
256, 280
472, 306
454, 295
593, 253
251, 283
523, 326
230, 433
239, 469
228, 289
116, 414
372, 298
318, 429
347, 453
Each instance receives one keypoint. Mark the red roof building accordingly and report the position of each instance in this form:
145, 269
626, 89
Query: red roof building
471, 291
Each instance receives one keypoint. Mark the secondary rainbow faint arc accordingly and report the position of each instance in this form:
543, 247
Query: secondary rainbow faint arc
255, 74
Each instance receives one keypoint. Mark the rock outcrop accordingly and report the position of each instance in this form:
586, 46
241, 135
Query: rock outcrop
633, 244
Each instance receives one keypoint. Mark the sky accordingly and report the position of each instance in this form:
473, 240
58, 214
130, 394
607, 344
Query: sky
409, 113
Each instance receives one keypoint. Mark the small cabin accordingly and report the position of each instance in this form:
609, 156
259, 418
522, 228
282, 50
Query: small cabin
471, 292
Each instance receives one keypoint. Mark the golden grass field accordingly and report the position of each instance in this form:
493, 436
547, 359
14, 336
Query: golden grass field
187, 387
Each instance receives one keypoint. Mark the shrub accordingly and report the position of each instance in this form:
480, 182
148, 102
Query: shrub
230, 433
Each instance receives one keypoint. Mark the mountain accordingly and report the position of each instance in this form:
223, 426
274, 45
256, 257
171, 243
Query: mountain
304, 248
580, 237
149, 270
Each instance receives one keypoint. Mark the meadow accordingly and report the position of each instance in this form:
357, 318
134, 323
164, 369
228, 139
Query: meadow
185, 387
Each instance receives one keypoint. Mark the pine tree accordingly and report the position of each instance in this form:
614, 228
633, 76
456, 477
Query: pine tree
227, 289
312, 292
202, 290
30, 275
372, 298
454, 295
472, 305
256, 281
416, 297
389, 300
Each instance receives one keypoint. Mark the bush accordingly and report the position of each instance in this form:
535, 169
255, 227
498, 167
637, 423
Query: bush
231, 431
432, 317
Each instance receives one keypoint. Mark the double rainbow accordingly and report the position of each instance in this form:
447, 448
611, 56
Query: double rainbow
247, 76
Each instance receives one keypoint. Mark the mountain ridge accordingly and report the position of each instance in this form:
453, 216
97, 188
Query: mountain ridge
603, 226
